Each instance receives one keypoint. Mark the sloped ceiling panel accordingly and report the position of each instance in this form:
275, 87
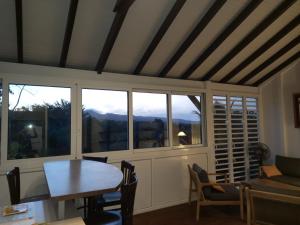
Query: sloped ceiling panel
8, 32
44, 24
43, 30
141, 24
92, 24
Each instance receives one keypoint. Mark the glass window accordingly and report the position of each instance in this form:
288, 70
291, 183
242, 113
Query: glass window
39, 121
150, 120
186, 120
104, 120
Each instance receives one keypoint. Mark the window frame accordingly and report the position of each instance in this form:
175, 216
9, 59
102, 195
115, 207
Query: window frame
6, 164
103, 153
152, 91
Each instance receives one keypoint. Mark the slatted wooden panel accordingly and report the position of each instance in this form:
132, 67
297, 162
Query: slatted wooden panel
221, 135
253, 134
238, 138
236, 133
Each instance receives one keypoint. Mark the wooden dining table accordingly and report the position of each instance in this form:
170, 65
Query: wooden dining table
73, 179
42, 212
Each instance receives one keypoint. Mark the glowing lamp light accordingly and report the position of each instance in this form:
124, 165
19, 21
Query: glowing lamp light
181, 134
30, 126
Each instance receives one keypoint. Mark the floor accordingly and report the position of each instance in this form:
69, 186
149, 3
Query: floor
186, 215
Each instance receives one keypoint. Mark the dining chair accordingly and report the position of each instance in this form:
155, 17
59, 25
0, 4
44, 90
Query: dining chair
88, 201
13, 179
123, 216
211, 193
96, 159
114, 198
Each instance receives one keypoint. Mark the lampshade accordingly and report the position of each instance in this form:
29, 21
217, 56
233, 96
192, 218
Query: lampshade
181, 134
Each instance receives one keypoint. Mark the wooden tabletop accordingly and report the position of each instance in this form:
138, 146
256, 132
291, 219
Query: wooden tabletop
71, 179
39, 212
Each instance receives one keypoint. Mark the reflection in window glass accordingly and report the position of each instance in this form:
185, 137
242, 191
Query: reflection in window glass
39, 121
187, 120
150, 123
104, 120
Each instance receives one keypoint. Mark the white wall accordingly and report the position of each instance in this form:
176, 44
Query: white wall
278, 112
162, 173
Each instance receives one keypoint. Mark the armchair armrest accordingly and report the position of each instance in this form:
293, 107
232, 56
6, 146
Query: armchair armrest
220, 174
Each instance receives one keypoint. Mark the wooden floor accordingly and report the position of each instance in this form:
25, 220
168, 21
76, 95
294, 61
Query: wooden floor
185, 215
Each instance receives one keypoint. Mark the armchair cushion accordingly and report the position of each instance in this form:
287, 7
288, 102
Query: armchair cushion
231, 194
203, 177
287, 180
202, 174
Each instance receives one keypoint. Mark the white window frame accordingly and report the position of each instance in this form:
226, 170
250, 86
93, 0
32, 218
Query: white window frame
34, 163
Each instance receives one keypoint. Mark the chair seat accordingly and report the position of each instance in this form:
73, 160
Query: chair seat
35, 198
231, 194
105, 218
109, 199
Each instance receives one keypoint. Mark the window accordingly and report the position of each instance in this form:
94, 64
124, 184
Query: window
104, 120
150, 120
39, 121
186, 120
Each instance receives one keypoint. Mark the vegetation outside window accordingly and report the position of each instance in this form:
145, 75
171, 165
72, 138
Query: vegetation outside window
150, 120
104, 120
186, 120
39, 121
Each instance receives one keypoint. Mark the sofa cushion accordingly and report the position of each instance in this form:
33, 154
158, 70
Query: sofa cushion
288, 166
287, 180
271, 171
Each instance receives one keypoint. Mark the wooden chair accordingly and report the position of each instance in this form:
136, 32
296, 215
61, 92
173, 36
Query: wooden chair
13, 179
206, 196
87, 201
271, 208
124, 216
114, 198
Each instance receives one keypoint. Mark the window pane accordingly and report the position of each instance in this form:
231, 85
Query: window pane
150, 120
39, 121
104, 120
187, 120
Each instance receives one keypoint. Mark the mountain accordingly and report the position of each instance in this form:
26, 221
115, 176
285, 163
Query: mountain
117, 117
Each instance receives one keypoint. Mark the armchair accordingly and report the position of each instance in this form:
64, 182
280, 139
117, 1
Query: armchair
209, 193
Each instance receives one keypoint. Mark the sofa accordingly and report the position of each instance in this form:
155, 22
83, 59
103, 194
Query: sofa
290, 169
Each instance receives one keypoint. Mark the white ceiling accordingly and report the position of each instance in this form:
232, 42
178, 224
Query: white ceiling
44, 23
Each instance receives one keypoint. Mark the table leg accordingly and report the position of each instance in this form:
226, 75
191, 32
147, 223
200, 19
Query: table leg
61, 209
248, 206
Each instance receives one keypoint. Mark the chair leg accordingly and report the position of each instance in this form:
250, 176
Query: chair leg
190, 192
242, 202
84, 207
198, 210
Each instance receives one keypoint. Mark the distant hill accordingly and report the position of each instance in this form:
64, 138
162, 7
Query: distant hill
117, 117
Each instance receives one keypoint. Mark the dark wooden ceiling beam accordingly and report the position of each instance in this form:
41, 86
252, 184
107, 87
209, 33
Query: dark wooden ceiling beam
272, 59
68, 32
278, 36
275, 14
122, 9
278, 69
204, 21
252, 5
159, 35
19, 25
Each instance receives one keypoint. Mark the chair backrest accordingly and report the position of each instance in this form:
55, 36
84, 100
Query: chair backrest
272, 208
97, 159
13, 179
195, 179
127, 170
127, 200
